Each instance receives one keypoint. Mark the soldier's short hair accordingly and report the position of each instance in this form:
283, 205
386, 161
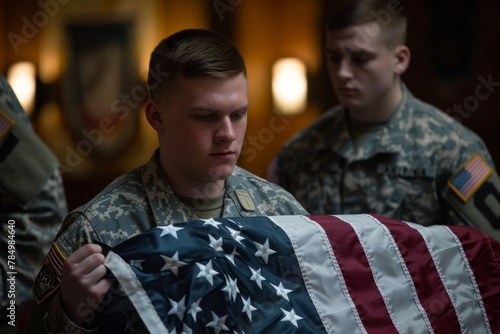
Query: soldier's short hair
192, 53
389, 14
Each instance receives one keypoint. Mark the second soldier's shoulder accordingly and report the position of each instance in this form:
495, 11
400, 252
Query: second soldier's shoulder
430, 118
247, 180
279, 201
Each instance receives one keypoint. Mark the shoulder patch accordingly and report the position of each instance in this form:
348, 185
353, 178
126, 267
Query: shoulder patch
6, 124
48, 279
469, 178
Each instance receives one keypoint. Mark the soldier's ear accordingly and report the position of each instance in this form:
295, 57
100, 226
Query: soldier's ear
402, 57
153, 115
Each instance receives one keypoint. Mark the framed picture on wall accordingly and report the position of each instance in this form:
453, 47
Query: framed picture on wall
101, 92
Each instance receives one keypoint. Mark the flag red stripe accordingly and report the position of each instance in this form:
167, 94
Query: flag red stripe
357, 274
55, 260
430, 289
485, 264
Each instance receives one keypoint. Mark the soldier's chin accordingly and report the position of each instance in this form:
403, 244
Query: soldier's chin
222, 173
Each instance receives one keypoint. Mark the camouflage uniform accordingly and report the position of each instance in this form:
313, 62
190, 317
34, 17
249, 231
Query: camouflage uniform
32, 203
132, 204
403, 172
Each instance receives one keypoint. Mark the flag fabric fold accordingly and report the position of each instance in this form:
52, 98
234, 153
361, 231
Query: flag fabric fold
311, 274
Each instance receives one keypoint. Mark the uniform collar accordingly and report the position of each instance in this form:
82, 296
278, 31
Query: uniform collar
388, 139
166, 206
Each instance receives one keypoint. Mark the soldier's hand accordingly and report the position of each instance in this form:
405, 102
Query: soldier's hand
83, 283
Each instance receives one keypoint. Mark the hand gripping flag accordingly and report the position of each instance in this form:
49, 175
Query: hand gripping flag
311, 274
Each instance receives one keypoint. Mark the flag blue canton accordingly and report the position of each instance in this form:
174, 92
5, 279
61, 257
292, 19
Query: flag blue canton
222, 278
461, 179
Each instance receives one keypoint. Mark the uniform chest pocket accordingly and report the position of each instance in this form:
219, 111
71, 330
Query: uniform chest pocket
407, 192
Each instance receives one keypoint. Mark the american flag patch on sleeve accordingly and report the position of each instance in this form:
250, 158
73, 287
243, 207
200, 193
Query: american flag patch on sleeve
5, 125
470, 177
48, 279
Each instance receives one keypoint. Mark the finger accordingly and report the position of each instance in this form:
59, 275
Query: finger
94, 276
83, 268
102, 286
83, 252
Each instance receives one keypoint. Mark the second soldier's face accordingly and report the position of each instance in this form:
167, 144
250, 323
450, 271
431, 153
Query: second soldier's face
204, 124
360, 66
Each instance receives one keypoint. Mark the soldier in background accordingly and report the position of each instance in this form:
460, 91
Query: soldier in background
382, 150
198, 107
32, 207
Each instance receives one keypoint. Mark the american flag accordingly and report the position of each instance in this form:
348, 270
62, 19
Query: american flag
470, 177
311, 274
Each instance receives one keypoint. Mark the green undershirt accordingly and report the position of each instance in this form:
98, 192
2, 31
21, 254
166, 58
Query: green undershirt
204, 208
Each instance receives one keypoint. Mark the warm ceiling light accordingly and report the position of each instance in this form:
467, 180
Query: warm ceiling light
22, 78
289, 86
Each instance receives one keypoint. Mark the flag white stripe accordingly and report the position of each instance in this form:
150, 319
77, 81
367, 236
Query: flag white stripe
135, 292
392, 277
462, 289
322, 275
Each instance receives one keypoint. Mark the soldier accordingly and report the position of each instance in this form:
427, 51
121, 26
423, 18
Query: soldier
32, 207
198, 107
382, 150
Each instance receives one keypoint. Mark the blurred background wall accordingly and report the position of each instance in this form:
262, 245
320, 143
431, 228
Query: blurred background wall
91, 58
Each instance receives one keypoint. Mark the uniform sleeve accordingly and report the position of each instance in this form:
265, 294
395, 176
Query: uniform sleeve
472, 192
32, 200
47, 315
473, 195
34, 228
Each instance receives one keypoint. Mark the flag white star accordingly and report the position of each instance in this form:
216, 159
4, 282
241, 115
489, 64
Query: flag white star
231, 256
172, 263
195, 309
170, 229
218, 324
215, 243
137, 263
174, 331
248, 308
235, 234
211, 222
257, 277
178, 308
281, 291
231, 287
263, 250
207, 272
291, 316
